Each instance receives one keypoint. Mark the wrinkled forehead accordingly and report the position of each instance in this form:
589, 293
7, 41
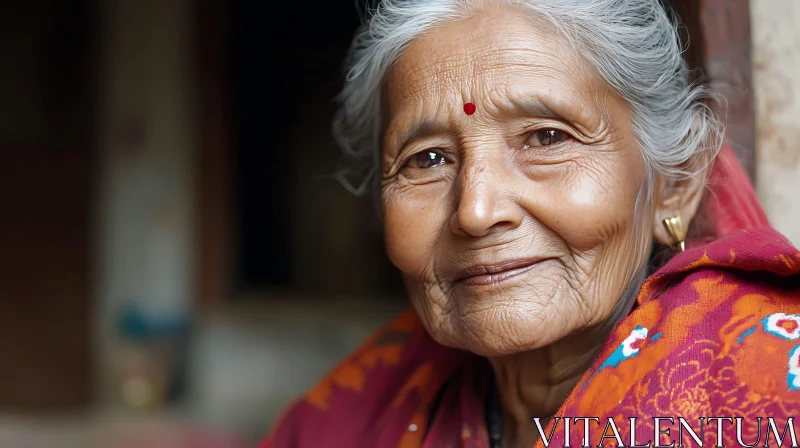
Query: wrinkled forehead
494, 53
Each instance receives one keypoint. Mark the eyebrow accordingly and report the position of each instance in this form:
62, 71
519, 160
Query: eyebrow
532, 106
424, 128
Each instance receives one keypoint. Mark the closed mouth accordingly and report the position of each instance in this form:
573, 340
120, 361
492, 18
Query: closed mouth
489, 274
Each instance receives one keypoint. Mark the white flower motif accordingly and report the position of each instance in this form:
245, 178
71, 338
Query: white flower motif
794, 369
626, 349
786, 326
629, 347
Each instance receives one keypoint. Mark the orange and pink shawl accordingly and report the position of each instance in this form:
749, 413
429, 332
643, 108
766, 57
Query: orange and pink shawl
715, 333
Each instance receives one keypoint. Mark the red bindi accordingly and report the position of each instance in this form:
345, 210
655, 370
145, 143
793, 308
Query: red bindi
469, 108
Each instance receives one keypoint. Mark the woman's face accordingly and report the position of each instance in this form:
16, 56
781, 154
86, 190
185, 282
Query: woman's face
513, 226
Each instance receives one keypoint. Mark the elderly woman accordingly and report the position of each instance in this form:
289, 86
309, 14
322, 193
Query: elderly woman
538, 160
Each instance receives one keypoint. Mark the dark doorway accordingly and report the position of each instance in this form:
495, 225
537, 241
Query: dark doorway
290, 225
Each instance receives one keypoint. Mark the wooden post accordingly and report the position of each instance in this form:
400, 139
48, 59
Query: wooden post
719, 43
213, 206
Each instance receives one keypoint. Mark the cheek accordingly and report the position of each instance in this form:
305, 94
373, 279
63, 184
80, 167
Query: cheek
412, 226
592, 203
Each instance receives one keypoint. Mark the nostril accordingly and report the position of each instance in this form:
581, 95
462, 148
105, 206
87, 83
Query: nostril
501, 226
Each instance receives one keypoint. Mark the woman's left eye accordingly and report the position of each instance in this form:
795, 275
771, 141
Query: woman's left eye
546, 137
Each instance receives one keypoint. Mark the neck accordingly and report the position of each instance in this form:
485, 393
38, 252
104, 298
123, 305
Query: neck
536, 383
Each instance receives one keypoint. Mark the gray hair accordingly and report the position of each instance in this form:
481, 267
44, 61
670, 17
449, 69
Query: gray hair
632, 44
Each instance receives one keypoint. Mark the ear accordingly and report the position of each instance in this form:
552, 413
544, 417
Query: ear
676, 198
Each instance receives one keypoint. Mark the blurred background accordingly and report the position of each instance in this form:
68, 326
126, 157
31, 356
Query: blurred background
176, 263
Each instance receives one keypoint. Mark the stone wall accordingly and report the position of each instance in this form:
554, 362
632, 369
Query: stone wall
776, 62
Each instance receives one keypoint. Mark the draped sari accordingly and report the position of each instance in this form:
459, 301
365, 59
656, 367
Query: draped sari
714, 333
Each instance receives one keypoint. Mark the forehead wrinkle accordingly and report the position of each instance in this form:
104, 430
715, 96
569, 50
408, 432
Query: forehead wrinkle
464, 70
522, 67
543, 94
485, 33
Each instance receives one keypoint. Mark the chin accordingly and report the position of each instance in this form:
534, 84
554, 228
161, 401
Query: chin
507, 328
518, 314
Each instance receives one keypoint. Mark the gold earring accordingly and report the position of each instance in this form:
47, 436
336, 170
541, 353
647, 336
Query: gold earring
677, 231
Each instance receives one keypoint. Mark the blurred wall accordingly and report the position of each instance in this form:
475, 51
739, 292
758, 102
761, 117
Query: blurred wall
776, 62
146, 146
47, 113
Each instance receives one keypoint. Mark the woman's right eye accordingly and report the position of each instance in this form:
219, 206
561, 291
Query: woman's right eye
425, 159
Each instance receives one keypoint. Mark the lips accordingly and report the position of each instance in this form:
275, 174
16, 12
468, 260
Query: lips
489, 274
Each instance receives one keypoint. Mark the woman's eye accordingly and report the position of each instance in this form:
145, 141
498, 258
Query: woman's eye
546, 137
426, 159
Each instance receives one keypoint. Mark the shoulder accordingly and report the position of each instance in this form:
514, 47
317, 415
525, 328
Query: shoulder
717, 329
751, 268
377, 378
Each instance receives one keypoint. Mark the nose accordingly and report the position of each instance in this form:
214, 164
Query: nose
486, 201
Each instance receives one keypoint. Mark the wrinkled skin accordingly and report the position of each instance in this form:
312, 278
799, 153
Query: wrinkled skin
546, 172
498, 193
